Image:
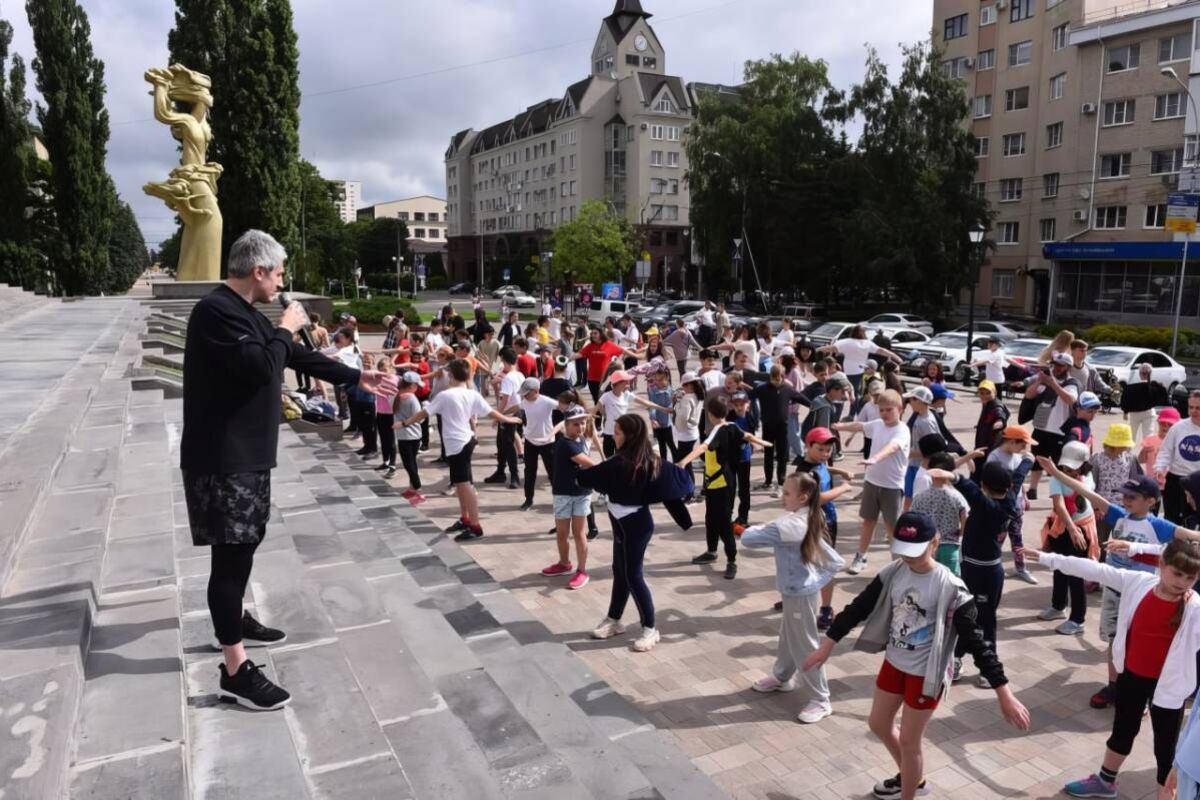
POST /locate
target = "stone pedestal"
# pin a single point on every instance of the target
(182, 290)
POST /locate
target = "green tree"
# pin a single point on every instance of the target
(594, 247)
(248, 48)
(19, 258)
(127, 253)
(75, 124)
(329, 245)
(377, 245)
(168, 250)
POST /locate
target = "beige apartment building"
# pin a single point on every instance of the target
(1080, 137)
(617, 135)
(425, 216)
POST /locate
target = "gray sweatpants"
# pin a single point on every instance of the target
(798, 638)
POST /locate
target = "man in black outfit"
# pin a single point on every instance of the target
(233, 370)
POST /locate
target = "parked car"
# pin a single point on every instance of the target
(948, 349)
(508, 287)
(829, 332)
(1005, 331)
(905, 338)
(672, 312)
(1123, 363)
(518, 299)
(601, 310)
(803, 315)
(463, 288)
(892, 320)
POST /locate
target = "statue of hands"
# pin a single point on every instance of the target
(159, 76)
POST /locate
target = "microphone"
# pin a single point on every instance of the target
(285, 300)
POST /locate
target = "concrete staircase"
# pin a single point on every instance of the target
(15, 302)
(413, 673)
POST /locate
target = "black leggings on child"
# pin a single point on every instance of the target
(631, 535)
(408, 457)
(718, 520)
(1132, 694)
(1064, 584)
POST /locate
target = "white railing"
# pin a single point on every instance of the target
(1130, 7)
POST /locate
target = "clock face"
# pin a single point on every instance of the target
(640, 42)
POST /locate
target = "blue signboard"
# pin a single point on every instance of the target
(1113, 251)
(612, 291)
(506, 274)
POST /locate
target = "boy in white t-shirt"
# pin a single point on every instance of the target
(883, 485)
(458, 406)
(994, 362)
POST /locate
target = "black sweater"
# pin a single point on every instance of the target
(1143, 396)
(987, 524)
(232, 373)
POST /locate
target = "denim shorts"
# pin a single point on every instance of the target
(567, 506)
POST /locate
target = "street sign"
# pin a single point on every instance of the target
(645, 255)
(1182, 211)
(643, 270)
(506, 274)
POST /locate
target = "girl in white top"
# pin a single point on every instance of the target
(744, 342)
(685, 416)
(613, 404)
(855, 352)
(785, 338)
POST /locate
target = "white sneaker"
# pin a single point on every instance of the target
(776, 493)
(1026, 576)
(607, 629)
(770, 683)
(1069, 628)
(858, 564)
(646, 641)
(814, 712)
(1051, 613)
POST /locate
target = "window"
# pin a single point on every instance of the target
(1110, 217)
(1021, 9)
(648, 62)
(418, 216)
(987, 15)
(1004, 281)
(673, 159)
(1189, 148)
(979, 190)
(562, 189)
(402, 215)
(656, 158)
(1119, 112)
(673, 186)
(630, 133)
(1020, 53)
(1010, 190)
(955, 27)
(1174, 48)
(1156, 216)
(1058, 37)
(419, 233)
(553, 217)
(573, 189)
(986, 59)
(982, 106)
(672, 133)
(955, 68)
(1058, 86)
(657, 132)
(433, 216)
(633, 59)
(1008, 233)
(1046, 229)
(1115, 165)
(1168, 106)
(664, 105)
(981, 147)
(1016, 99)
(1054, 135)
(1014, 144)
(1166, 162)
(1123, 58)
(571, 161)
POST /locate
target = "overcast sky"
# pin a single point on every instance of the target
(386, 82)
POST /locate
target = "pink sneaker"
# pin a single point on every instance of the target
(416, 498)
(407, 493)
(557, 569)
(579, 580)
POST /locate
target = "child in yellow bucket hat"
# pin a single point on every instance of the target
(1111, 467)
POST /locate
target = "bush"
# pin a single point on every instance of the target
(374, 310)
(436, 282)
(1129, 335)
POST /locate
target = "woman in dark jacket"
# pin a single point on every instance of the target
(632, 480)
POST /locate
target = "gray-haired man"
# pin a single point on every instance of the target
(232, 372)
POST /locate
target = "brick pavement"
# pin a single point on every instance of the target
(719, 636)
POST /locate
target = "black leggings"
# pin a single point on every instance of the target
(718, 520)
(227, 579)
(1064, 584)
(1174, 503)
(387, 437)
(532, 451)
(987, 585)
(408, 457)
(594, 388)
(743, 492)
(366, 425)
(666, 446)
(1132, 694)
(609, 444)
(506, 449)
(631, 535)
(776, 456)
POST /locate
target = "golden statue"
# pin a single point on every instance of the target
(191, 191)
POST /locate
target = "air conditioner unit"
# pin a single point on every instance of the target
(645, 126)
(1001, 5)
(1079, 216)
(970, 62)
(1088, 108)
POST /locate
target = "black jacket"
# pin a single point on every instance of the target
(232, 373)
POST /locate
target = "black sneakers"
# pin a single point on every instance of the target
(255, 634)
(889, 789)
(249, 688)
(705, 558)
(469, 535)
(528, 504)
(730, 570)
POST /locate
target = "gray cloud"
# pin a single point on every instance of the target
(392, 135)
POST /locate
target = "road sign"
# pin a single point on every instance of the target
(645, 255)
(643, 270)
(1181, 212)
(506, 274)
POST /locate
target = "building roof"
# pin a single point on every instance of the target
(652, 82)
(533, 120)
(401, 200)
(576, 90)
(625, 13)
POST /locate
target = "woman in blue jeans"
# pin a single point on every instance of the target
(632, 479)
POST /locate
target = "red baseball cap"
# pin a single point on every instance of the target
(819, 436)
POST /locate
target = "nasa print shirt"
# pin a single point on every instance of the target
(1180, 451)
(914, 608)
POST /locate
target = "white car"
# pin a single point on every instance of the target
(518, 299)
(1004, 331)
(905, 338)
(1123, 363)
(891, 320)
(508, 287)
(949, 350)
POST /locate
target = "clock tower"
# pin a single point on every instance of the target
(627, 44)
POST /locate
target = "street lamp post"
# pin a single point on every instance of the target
(399, 270)
(976, 236)
(1187, 237)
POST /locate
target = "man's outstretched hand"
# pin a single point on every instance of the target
(379, 383)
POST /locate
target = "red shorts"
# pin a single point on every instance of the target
(893, 681)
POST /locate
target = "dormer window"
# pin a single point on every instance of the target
(664, 105)
(649, 62)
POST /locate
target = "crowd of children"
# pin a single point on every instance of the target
(946, 511)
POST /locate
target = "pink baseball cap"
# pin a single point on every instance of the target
(1169, 414)
(620, 375)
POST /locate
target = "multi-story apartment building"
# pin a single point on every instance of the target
(1079, 139)
(425, 216)
(617, 136)
(347, 197)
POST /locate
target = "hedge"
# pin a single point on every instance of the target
(374, 310)
(1130, 335)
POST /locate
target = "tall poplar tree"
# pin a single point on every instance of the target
(18, 257)
(248, 48)
(75, 126)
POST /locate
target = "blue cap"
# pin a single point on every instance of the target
(940, 392)
(1144, 485)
